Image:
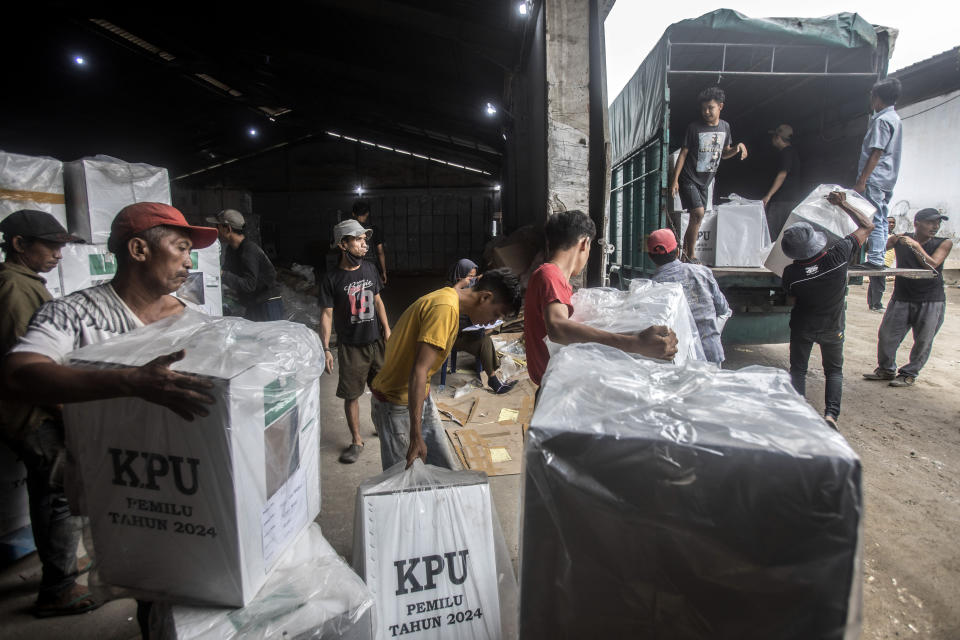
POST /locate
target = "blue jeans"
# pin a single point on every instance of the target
(831, 352)
(924, 318)
(877, 243)
(393, 426)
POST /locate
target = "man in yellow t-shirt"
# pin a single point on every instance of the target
(402, 407)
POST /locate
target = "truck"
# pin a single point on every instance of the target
(812, 73)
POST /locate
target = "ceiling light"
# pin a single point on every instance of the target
(491, 110)
(522, 8)
(253, 133)
(80, 61)
(359, 191)
(496, 187)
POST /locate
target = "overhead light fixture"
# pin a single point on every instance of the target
(79, 61)
(491, 110)
(359, 190)
(253, 133)
(496, 187)
(523, 8)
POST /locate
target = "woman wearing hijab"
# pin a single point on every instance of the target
(463, 275)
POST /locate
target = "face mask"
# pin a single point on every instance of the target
(352, 260)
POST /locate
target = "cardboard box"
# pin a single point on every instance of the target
(97, 188)
(424, 544)
(27, 182)
(822, 215)
(685, 502)
(313, 594)
(200, 511)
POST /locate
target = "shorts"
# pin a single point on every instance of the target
(692, 195)
(359, 365)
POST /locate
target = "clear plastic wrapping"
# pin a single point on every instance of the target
(743, 238)
(830, 219)
(98, 187)
(646, 304)
(201, 511)
(428, 543)
(312, 594)
(27, 182)
(685, 502)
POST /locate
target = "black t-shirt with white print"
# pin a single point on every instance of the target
(350, 294)
(820, 286)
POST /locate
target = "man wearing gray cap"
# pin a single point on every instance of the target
(247, 270)
(782, 195)
(817, 283)
(350, 299)
(916, 304)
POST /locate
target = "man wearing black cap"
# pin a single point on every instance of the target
(817, 282)
(782, 196)
(247, 270)
(916, 304)
(152, 242)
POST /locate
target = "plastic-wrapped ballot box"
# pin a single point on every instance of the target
(203, 287)
(86, 265)
(27, 182)
(685, 502)
(311, 594)
(832, 220)
(97, 188)
(743, 238)
(201, 511)
(646, 304)
(706, 245)
(429, 546)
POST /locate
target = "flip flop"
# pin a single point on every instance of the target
(80, 604)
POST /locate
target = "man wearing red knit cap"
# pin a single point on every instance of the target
(152, 243)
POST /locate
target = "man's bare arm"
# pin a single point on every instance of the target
(382, 260)
(426, 357)
(864, 224)
(381, 310)
(34, 378)
(326, 325)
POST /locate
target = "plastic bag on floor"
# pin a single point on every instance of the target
(830, 219)
(428, 543)
(312, 594)
(685, 502)
(646, 304)
(200, 511)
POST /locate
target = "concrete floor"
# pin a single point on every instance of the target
(886, 562)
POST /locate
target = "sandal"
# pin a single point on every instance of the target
(73, 601)
(830, 420)
(351, 453)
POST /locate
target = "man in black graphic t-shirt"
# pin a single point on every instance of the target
(350, 299)
(817, 280)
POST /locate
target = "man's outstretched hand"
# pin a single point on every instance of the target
(657, 342)
(182, 393)
(417, 449)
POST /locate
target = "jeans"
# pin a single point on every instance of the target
(878, 284)
(55, 531)
(877, 243)
(393, 427)
(266, 311)
(831, 352)
(925, 318)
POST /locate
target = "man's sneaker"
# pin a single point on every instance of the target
(351, 453)
(903, 381)
(870, 266)
(880, 374)
(878, 308)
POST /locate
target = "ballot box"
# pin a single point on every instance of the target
(688, 502)
(311, 594)
(706, 244)
(743, 238)
(28, 182)
(98, 188)
(428, 544)
(86, 265)
(200, 511)
(644, 305)
(203, 287)
(823, 216)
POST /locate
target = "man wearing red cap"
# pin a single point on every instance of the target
(152, 243)
(707, 302)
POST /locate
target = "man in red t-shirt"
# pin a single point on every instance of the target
(547, 307)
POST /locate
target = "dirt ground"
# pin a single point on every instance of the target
(908, 439)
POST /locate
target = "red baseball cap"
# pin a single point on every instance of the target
(661, 241)
(141, 216)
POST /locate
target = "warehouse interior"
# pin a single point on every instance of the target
(432, 111)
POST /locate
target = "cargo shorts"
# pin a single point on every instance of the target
(692, 195)
(359, 364)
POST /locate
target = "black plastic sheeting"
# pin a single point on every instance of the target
(685, 503)
(637, 113)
